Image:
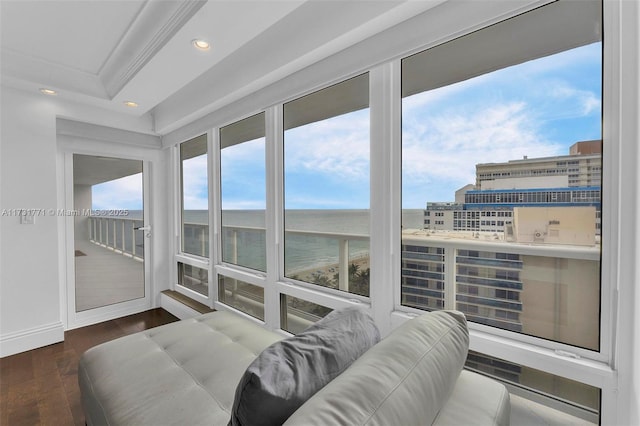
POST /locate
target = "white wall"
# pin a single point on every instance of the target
(30, 256)
(29, 289)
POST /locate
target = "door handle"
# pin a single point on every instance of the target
(143, 228)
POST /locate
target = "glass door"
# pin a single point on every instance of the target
(109, 231)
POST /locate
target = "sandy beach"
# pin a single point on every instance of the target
(329, 270)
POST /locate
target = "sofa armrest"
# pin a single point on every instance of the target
(403, 380)
(477, 400)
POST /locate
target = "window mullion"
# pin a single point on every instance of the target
(385, 222)
(176, 217)
(274, 213)
(214, 208)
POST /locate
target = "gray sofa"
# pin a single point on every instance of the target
(187, 373)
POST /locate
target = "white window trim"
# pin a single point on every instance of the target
(176, 244)
(597, 369)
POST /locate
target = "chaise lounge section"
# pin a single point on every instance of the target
(189, 372)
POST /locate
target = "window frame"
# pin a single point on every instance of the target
(590, 367)
(219, 267)
(178, 255)
(278, 111)
(583, 365)
(217, 201)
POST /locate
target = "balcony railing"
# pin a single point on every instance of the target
(546, 290)
(245, 246)
(119, 234)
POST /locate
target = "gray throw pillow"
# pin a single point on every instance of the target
(290, 371)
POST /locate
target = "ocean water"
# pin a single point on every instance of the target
(302, 251)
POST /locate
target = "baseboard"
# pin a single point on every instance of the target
(33, 338)
(178, 309)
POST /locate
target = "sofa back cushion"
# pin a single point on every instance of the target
(288, 372)
(403, 380)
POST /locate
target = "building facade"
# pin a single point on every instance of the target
(563, 181)
(581, 168)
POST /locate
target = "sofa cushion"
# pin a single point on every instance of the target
(288, 372)
(180, 373)
(403, 380)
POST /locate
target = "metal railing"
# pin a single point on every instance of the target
(195, 239)
(494, 282)
(235, 247)
(550, 291)
(119, 234)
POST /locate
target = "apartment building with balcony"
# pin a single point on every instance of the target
(303, 109)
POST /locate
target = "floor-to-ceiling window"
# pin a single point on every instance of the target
(501, 181)
(326, 187)
(243, 209)
(193, 274)
(489, 123)
(326, 196)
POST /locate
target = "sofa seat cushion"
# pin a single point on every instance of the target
(180, 373)
(403, 380)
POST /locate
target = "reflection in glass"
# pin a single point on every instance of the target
(580, 395)
(193, 278)
(243, 296)
(298, 314)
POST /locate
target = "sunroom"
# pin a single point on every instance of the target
(280, 160)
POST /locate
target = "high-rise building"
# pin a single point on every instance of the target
(561, 181)
(582, 167)
(503, 239)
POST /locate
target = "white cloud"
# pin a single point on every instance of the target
(444, 147)
(337, 147)
(123, 193)
(575, 102)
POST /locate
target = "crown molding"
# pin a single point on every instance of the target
(154, 26)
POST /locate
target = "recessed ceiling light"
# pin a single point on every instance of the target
(201, 44)
(131, 104)
(46, 91)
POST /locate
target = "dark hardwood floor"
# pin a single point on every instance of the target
(40, 387)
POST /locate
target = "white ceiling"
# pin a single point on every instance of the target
(92, 170)
(105, 52)
(92, 31)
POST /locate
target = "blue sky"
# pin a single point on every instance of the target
(536, 109)
(244, 176)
